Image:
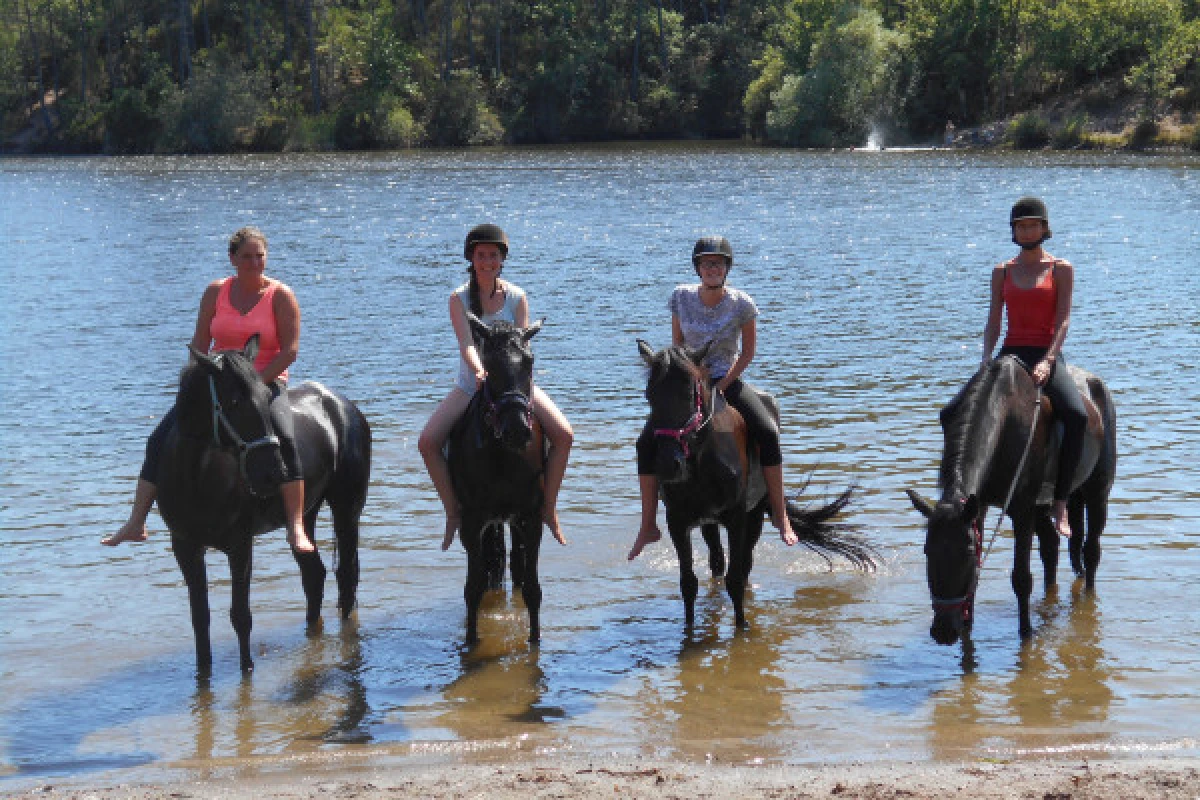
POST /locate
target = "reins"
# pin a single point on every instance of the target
(695, 423)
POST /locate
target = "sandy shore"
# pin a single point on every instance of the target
(1160, 779)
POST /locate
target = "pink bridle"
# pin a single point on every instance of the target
(695, 423)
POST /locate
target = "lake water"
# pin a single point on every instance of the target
(870, 271)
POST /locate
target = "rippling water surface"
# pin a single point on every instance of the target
(870, 270)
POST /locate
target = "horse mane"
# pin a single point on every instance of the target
(970, 415)
(674, 356)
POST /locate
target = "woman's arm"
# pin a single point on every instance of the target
(991, 331)
(1064, 279)
(749, 341)
(202, 337)
(466, 339)
(521, 315)
(287, 329)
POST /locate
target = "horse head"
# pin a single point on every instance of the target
(223, 399)
(508, 389)
(680, 404)
(953, 549)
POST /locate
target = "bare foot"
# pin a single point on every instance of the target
(645, 536)
(452, 524)
(551, 520)
(129, 532)
(1061, 524)
(299, 541)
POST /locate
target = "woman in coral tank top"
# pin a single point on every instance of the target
(1034, 291)
(231, 311)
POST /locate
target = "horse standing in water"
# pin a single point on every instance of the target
(496, 458)
(987, 430)
(708, 473)
(218, 483)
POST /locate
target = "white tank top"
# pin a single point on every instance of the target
(507, 312)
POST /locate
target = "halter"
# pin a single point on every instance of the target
(513, 397)
(220, 421)
(695, 423)
(967, 602)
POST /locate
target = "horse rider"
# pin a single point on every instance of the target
(489, 298)
(713, 311)
(232, 309)
(1033, 290)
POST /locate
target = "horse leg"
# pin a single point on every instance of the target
(346, 508)
(493, 551)
(1075, 508)
(716, 553)
(1022, 578)
(241, 563)
(516, 562)
(1097, 518)
(688, 584)
(1048, 550)
(743, 535)
(527, 530)
(312, 570)
(190, 558)
(471, 534)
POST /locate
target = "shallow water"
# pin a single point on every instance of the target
(870, 270)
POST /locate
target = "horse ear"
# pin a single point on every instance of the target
(203, 359)
(970, 510)
(532, 330)
(920, 503)
(250, 351)
(478, 329)
(646, 351)
(697, 356)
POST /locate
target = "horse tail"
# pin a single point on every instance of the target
(817, 531)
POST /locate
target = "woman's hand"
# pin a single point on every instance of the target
(480, 377)
(1041, 372)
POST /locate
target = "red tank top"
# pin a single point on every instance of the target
(1030, 311)
(230, 329)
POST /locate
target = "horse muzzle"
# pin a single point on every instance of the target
(951, 621)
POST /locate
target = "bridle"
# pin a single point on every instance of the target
(221, 422)
(494, 406)
(694, 423)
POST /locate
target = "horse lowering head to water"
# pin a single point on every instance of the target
(708, 473)
(1000, 440)
(219, 475)
(496, 459)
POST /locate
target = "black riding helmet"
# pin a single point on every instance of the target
(715, 246)
(486, 233)
(1029, 208)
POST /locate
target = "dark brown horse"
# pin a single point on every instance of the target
(219, 476)
(495, 455)
(987, 430)
(708, 473)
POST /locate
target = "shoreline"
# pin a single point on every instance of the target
(1123, 779)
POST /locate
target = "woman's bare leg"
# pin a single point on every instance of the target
(293, 511)
(648, 533)
(134, 529)
(561, 437)
(774, 478)
(431, 444)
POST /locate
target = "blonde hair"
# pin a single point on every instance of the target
(242, 234)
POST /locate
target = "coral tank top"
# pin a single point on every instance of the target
(230, 329)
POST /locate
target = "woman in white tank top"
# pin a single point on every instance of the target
(486, 248)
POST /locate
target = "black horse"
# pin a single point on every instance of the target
(987, 429)
(220, 473)
(708, 474)
(496, 458)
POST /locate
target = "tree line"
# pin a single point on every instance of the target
(133, 76)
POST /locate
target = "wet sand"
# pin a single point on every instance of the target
(1161, 779)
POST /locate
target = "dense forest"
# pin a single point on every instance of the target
(136, 76)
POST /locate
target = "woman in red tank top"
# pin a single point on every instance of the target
(1034, 291)
(232, 310)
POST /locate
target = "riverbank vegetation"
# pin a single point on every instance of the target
(136, 76)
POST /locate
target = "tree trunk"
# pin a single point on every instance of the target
(83, 54)
(313, 69)
(185, 52)
(637, 47)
